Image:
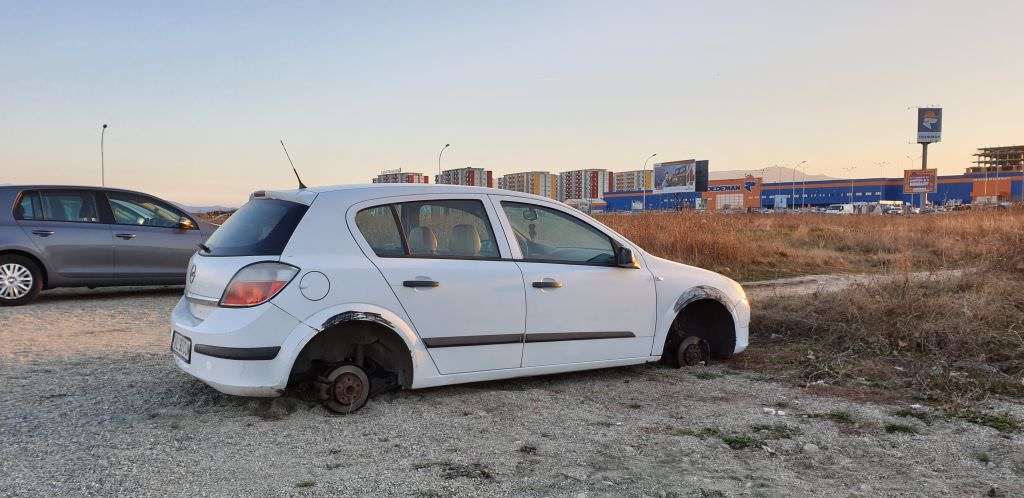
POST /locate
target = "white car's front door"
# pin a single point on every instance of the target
(580, 306)
(453, 277)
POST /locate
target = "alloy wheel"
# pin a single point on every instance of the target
(15, 281)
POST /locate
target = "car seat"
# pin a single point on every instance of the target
(464, 241)
(87, 211)
(422, 241)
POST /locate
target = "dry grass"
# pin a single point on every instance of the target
(952, 340)
(751, 247)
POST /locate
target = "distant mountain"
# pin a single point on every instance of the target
(206, 209)
(771, 174)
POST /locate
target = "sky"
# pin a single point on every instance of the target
(197, 94)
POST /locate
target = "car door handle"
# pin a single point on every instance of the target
(43, 233)
(421, 283)
(548, 284)
(125, 236)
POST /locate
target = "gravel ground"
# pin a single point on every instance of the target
(93, 405)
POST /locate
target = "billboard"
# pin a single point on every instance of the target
(675, 176)
(920, 181)
(929, 125)
(701, 184)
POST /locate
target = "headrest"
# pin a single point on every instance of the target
(422, 241)
(464, 241)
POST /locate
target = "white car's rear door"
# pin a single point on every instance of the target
(580, 306)
(453, 275)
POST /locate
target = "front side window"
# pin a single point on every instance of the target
(131, 209)
(28, 207)
(440, 228)
(69, 206)
(550, 235)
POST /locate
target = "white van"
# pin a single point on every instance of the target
(839, 209)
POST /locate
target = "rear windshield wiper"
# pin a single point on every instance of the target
(205, 248)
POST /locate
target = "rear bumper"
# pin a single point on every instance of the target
(239, 351)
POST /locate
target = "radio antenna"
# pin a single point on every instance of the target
(286, 154)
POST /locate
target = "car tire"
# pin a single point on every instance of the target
(21, 280)
(343, 389)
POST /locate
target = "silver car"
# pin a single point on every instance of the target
(63, 236)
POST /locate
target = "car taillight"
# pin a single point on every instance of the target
(256, 284)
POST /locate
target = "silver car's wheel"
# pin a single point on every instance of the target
(20, 280)
(16, 281)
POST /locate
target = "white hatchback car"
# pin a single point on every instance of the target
(356, 290)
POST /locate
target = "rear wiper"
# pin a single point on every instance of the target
(205, 248)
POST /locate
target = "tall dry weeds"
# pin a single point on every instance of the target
(755, 247)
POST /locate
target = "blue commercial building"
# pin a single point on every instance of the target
(750, 193)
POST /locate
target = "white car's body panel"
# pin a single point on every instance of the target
(484, 321)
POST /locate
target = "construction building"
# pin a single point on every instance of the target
(583, 184)
(531, 182)
(470, 177)
(398, 176)
(625, 181)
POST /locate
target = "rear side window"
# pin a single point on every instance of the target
(377, 224)
(261, 227)
(61, 205)
(439, 228)
(28, 207)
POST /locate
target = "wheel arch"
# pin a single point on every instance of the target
(361, 323)
(704, 306)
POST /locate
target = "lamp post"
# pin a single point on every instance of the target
(760, 200)
(792, 185)
(643, 187)
(849, 171)
(803, 185)
(439, 154)
(103, 165)
(881, 178)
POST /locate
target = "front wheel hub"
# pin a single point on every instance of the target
(693, 351)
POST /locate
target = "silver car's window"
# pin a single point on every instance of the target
(553, 236)
(28, 207)
(70, 206)
(130, 209)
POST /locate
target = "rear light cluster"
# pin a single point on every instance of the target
(257, 283)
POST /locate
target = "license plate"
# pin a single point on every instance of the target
(182, 346)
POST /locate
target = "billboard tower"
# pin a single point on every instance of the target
(929, 130)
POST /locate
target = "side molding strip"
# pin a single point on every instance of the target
(489, 340)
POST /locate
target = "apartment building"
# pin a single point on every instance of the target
(531, 182)
(472, 177)
(583, 184)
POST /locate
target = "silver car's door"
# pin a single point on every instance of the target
(151, 237)
(67, 228)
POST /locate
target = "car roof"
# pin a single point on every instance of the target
(376, 190)
(31, 186)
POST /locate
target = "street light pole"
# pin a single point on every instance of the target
(849, 171)
(760, 200)
(803, 186)
(881, 178)
(643, 187)
(792, 185)
(103, 165)
(439, 154)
